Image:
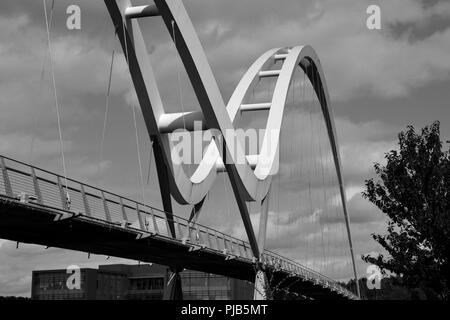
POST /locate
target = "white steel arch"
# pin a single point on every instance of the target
(250, 180)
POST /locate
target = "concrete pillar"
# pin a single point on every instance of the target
(173, 289)
(262, 291)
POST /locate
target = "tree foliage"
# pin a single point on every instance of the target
(413, 190)
(391, 288)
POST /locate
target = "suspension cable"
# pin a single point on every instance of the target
(180, 92)
(56, 100)
(46, 54)
(106, 112)
(139, 155)
(226, 190)
(141, 184)
(35, 124)
(150, 160)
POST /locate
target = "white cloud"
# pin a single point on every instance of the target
(357, 63)
(25, 146)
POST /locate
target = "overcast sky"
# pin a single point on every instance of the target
(380, 81)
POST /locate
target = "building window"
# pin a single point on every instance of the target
(147, 284)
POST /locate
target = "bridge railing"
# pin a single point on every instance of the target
(278, 262)
(30, 184)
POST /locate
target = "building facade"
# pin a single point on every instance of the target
(133, 282)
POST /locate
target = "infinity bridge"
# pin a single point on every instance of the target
(33, 201)
(38, 206)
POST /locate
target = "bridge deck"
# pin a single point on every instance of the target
(34, 209)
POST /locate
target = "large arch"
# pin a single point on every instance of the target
(251, 179)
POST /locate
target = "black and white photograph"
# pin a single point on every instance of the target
(261, 153)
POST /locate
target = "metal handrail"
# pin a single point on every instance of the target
(327, 280)
(223, 235)
(181, 223)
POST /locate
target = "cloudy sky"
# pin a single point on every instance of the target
(380, 81)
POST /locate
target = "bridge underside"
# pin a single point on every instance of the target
(34, 224)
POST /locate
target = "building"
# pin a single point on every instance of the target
(134, 282)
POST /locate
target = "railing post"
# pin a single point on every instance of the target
(37, 190)
(64, 203)
(122, 208)
(224, 243)
(245, 249)
(141, 223)
(198, 235)
(232, 248)
(217, 240)
(177, 221)
(155, 225)
(240, 250)
(246, 252)
(187, 236)
(189, 230)
(169, 233)
(208, 238)
(105, 206)
(6, 181)
(87, 210)
(250, 252)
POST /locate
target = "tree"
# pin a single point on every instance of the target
(413, 190)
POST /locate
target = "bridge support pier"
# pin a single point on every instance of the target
(262, 291)
(173, 289)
